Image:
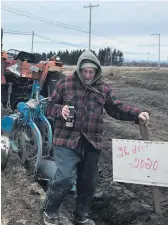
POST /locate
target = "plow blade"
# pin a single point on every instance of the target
(47, 168)
(5, 150)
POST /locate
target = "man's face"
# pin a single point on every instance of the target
(88, 75)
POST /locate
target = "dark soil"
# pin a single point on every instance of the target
(114, 203)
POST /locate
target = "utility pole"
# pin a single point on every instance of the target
(32, 42)
(159, 45)
(90, 21)
(118, 59)
(111, 59)
(147, 58)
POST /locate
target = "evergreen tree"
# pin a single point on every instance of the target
(71, 57)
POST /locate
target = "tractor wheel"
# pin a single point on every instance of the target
(27, 144)
(5, 150)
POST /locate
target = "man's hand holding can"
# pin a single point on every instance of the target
(65, 111)
(68, 114)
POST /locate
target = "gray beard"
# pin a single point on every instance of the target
(88, 82)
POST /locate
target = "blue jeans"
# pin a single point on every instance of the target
(71, 167)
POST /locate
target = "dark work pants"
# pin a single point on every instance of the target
(79, 165)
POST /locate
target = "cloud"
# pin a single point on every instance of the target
(128, 24)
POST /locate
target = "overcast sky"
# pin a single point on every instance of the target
(125, 25)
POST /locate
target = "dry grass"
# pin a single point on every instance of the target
(122, 70)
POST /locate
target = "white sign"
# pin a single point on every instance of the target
(140, 162)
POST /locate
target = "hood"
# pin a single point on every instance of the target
(88, 56)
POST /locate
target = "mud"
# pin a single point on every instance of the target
(113, 203)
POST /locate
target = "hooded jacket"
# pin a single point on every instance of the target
(89, 102)
(85, 57)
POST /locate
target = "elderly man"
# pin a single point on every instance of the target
(77, 147)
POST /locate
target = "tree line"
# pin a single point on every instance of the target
(106, 56)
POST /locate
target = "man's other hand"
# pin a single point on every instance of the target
(145, 117)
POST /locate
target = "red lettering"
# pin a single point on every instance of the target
(155, 165)
(134, 150)
(125, 151)
(141, 163)
(148, 165)
(133, 165)
(138, 149)
(122, 152)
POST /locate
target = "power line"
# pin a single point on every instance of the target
(44, 37)
(32, 16)
(22, 13)
(138, 53)
(158, 45)
(65, 43)
(16, 32)
(58, 23)
(61, 42)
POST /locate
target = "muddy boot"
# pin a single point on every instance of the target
(82, 216)
(54, 197)
(84, 221)
(50, 218)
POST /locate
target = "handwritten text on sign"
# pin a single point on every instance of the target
(142, 162)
